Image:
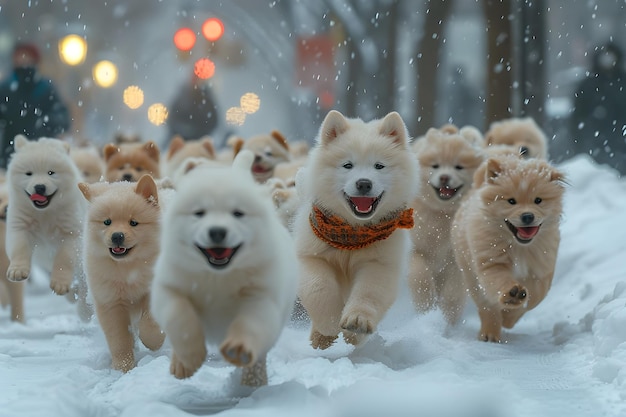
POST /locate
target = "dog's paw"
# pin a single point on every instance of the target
(514, 297)
(60, 287)
(319, 341)
(18, 272)
(489, 336)
(357, 323)
(182, 371)
(237, 353)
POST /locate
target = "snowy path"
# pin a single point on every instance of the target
(565, 358)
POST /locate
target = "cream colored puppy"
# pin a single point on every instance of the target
(226, 274)
(355, 192)
(506, 238)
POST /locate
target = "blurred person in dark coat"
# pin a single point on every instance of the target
(193, 113)
(599, 118)
(29, 103)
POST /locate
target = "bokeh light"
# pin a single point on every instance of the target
(72, 49)
(250, 103)
(184, 39)
(105, 73)
(212, 29)
(157, 114)
(204, 68)
(133, 97)
(235, 116)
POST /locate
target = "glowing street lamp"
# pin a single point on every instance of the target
(235, 116)
(73, 49)
(157, 114)
(133, 97)
(184, 39)
(105, 73)
(250, 103)
(213, 29)
(204, 68)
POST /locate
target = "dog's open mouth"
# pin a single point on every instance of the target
(260, 169)
(40, 200)
(523, 234)
(219, 257)
(363, 206)
(445, 192)
(119, 251)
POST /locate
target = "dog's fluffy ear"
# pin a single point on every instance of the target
(152, 150)
(244, 160)
(333, 126)
(237, 145)
(109, 150)
(147, 188)
(494, 169)
(393, 126)
(84, 188)
(176, 144)
(19, 141)
(207, 144)
(280, 139)
(473, 136)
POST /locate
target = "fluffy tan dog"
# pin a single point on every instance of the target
(355, 192)
(120, 246)
(506, 237)
(269, 150)
(522, 134)
(181, 149)
(447, 161)
(89, 163)
(45, 217)
(226, 271)
(129, 161)
(11, 293)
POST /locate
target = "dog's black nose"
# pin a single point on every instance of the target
(527, 218)
(257, 158)
(444, 179)
(40, 189)
(117, 238)
(363, 186)
(127, 177)
(217, 234)
(523, 151)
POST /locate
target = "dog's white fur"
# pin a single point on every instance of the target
(49, 237)
(242, 306)
(349, 291)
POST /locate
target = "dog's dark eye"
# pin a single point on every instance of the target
(139, 169)
(378, 166)
(121, 168)
(435, 166)
(51, 172)
(538, 200)
(348, 165)
(107, 222)
(28, 174)
(268, 153)
(133, 223)
(458, 167)
(512, 201)
(238, 213)
(199, 213)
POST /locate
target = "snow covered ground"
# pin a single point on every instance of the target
(565, 358)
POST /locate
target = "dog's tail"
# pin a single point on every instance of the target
(244, 160)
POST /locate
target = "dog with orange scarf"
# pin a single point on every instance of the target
(350, 230)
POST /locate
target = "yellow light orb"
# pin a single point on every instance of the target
(105, 73)
(157, 114)
(235, 116)
(133, 97)
(250, 103)
(72, 49)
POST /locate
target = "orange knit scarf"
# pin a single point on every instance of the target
(338, 233)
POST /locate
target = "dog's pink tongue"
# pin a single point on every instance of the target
(38, 198)
(363, 204)
(220, 253)
(258, 169)
(527, 233)
(446, 192)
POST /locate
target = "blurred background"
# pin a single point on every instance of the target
(281, 64)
